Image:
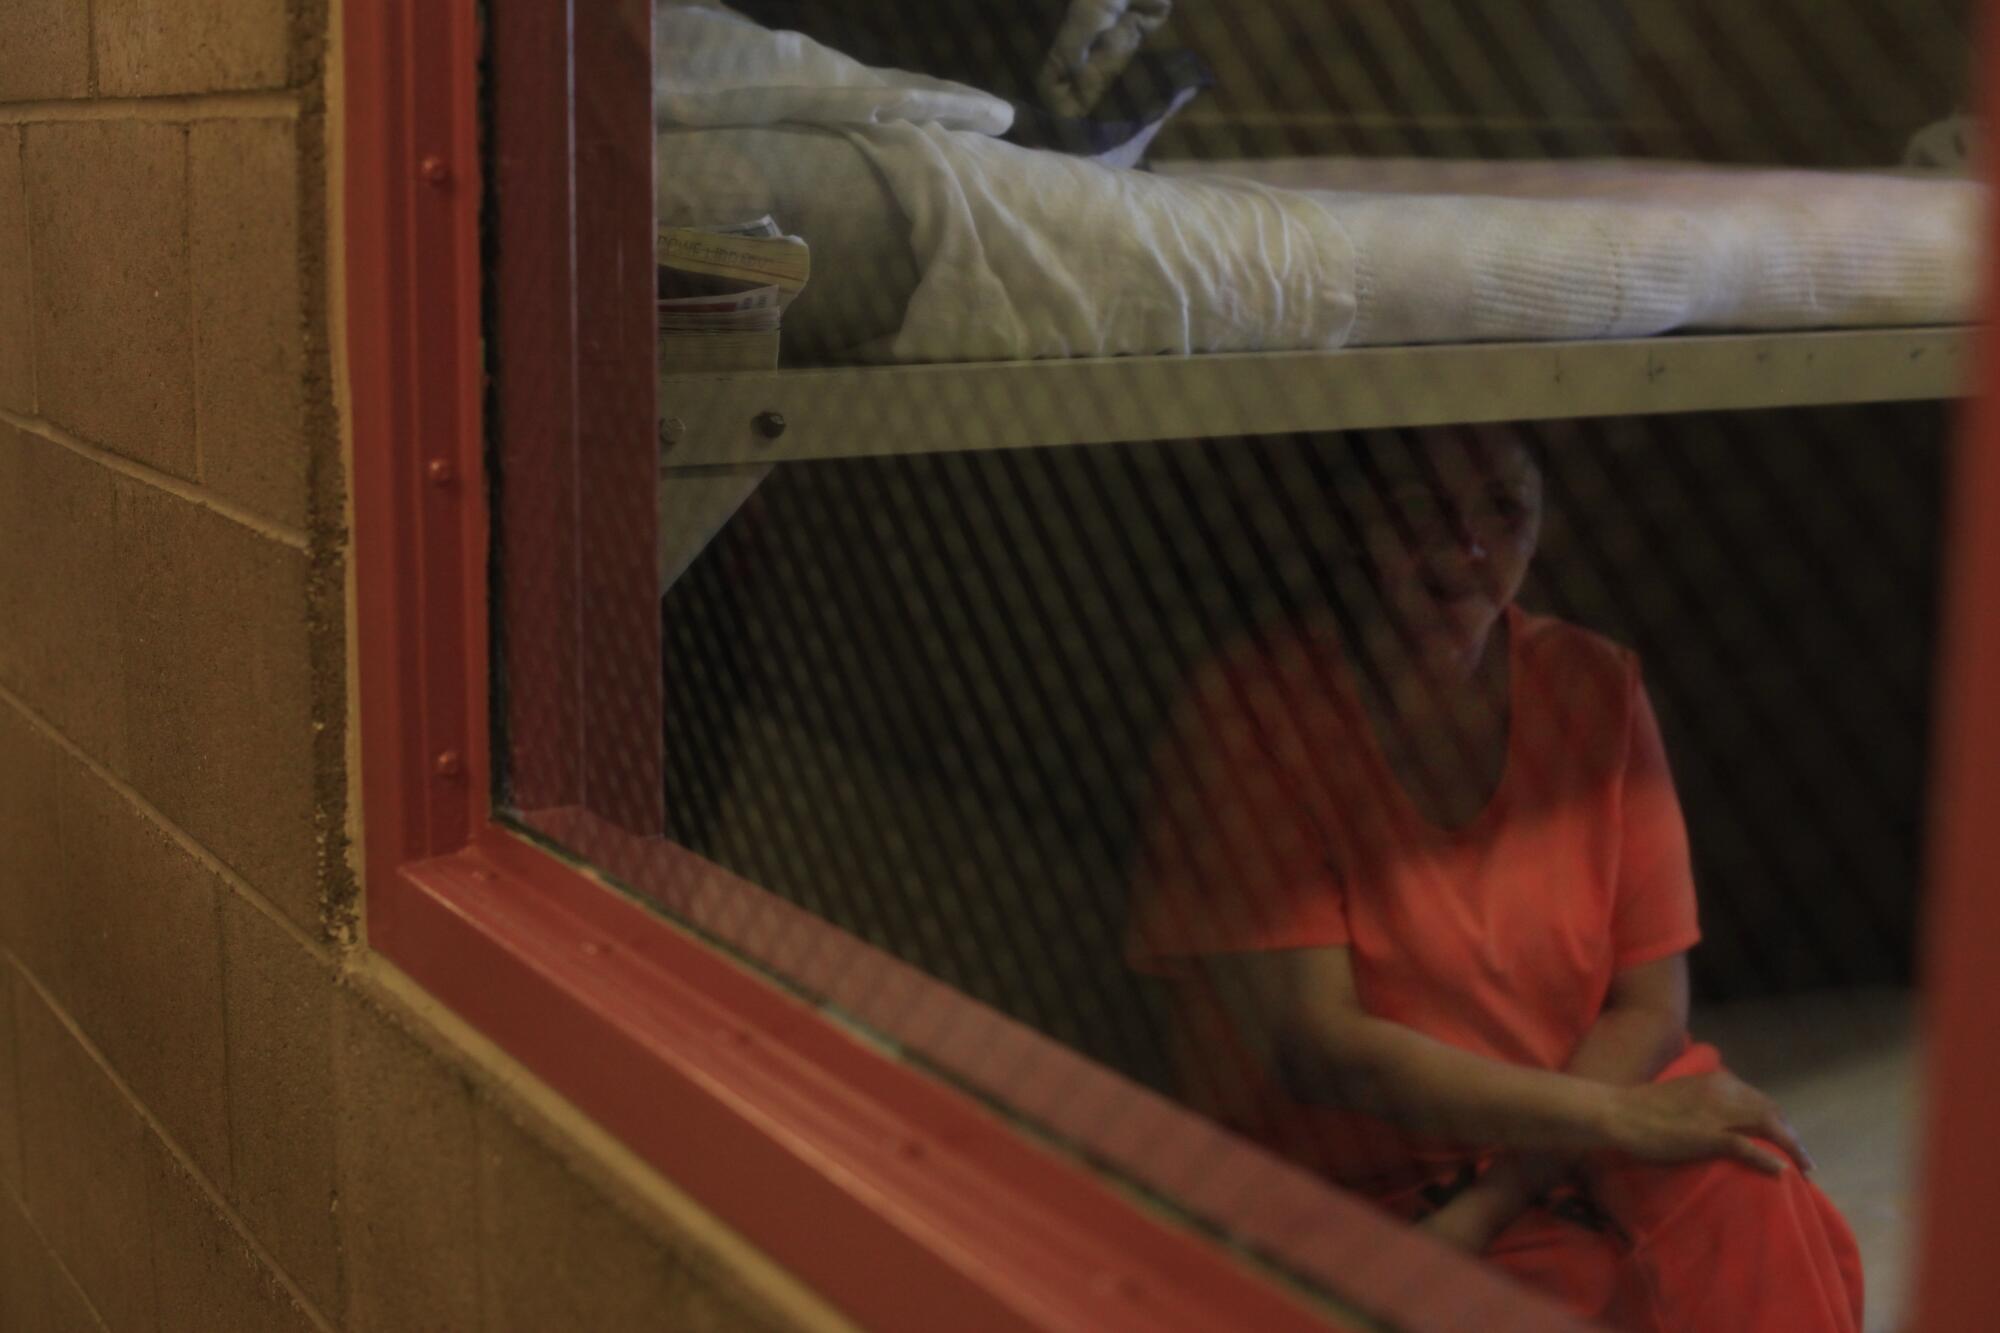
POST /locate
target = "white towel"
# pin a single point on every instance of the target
(712, 68)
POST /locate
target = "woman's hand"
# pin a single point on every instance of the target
(1702, 1116)
(1469, 1222)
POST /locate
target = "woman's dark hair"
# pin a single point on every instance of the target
(1355, 464)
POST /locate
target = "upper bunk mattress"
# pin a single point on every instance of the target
(933, 240)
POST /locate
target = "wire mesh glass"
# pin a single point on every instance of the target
(929, 645)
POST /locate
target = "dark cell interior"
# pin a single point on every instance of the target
(918, 695)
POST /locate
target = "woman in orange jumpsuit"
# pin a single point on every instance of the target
(1422, 881)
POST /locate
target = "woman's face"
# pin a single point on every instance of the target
(1450, 540)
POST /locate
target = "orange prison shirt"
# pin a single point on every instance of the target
(1276, 823)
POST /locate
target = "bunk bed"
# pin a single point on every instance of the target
(981, 295)
(974, 296)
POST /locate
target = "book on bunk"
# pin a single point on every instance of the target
(723, 293)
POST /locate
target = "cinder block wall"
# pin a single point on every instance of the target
(214, 1114)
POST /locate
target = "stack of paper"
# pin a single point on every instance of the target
(723, 293)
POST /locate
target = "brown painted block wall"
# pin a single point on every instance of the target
(214, 1113)
(1806, 82)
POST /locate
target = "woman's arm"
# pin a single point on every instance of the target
(1303, 1008)
(1642, 1027)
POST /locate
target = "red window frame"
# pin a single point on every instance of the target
(900, 1200)
(1957, 1285)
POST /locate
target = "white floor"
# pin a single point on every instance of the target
(1844, 1067)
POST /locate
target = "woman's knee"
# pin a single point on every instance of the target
(1721, 1192)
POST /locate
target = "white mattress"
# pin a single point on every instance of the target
(933, 240)
(936, 245)
(1464, 251)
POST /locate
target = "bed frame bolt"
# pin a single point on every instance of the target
(770, 425)
(434, 169)
(447, 764)
(441, 472)
(672, 431)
